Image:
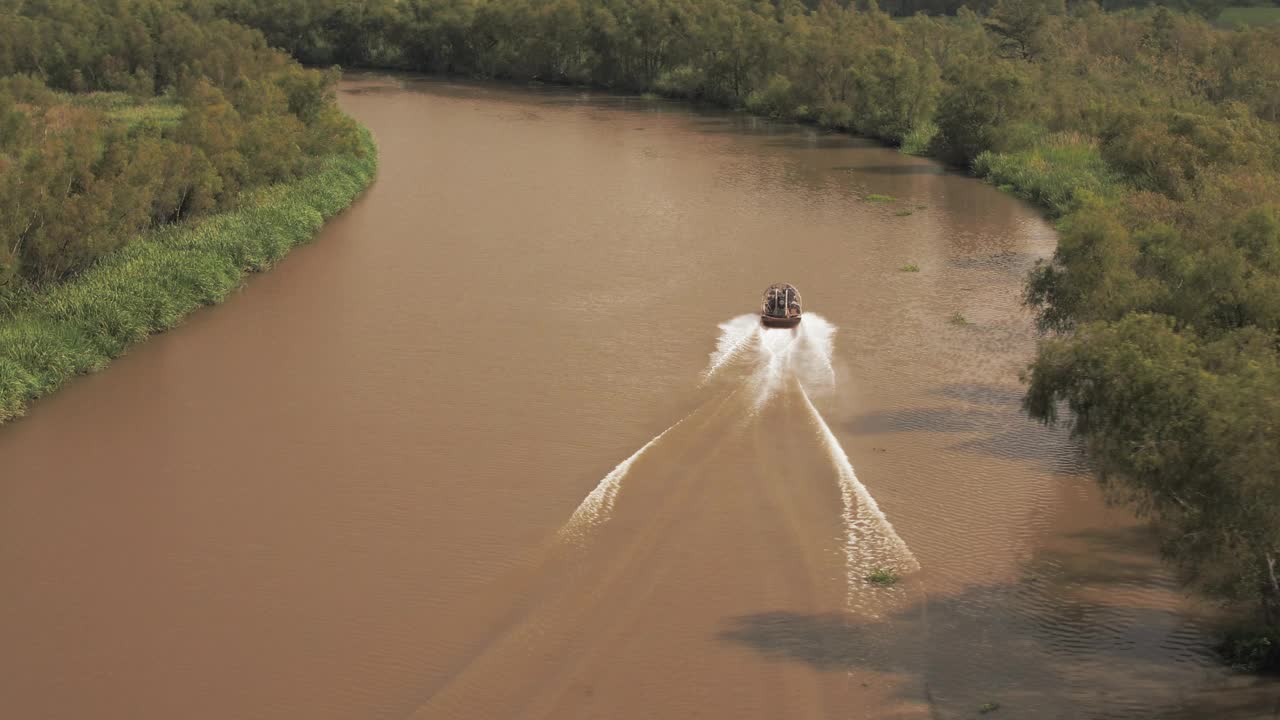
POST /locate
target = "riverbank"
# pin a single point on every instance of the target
(152, 283)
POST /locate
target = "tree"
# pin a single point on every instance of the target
(894, 92)
(981, 100)
(1185, 433)
(1020, 26)
(212, 125)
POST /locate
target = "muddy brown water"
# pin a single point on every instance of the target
(412, 472)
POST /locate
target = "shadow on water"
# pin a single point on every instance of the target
(981, 394)
(1050, 452)
(992, 416)
(934, 419)
(922, 168)
(1075, 637)
(1006, 261)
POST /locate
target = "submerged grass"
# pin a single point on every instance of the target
(883, 576)
(152, 283)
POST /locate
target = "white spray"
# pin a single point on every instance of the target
(762, 359)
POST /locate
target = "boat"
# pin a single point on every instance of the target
(781, 306)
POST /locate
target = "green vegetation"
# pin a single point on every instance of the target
(919, 139)
(883, 576)
(1251, 649)
(877, 198)
(1247, 16)
(958, 319)
(150, 153)
(904, 213)
(1056, 173)
(119, 117)
(122, 109)
(910, 267)
(989, 707)
(79, 325)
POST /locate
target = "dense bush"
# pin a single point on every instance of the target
(116, 117)
(122, 124)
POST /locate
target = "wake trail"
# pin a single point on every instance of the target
(760, 362)
(582, 590)
(870, 539)
(670, 515)
(597, 506)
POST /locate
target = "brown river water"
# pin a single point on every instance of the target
(505, 442)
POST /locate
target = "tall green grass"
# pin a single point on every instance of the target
(1056, 172)
(917, 141)
(152, 283)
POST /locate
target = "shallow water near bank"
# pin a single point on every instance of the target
(501, 444)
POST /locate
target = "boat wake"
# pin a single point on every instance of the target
(762, 360)
(759, 365)
(748, 504)
(596, 506)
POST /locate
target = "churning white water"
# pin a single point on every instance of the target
(762, 360)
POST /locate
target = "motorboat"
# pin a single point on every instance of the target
(781, 306)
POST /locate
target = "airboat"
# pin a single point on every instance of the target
(781, 306)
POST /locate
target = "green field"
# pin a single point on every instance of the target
(1248, 16)
(122, 108)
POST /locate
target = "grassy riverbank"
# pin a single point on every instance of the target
(153, 282)
(150, 155)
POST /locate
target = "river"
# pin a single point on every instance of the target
(505, 442)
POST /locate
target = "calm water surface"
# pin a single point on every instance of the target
(384, 480)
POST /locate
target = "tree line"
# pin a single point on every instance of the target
(1148, 134)
(121, 115)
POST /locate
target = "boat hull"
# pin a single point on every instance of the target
(777, 322)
